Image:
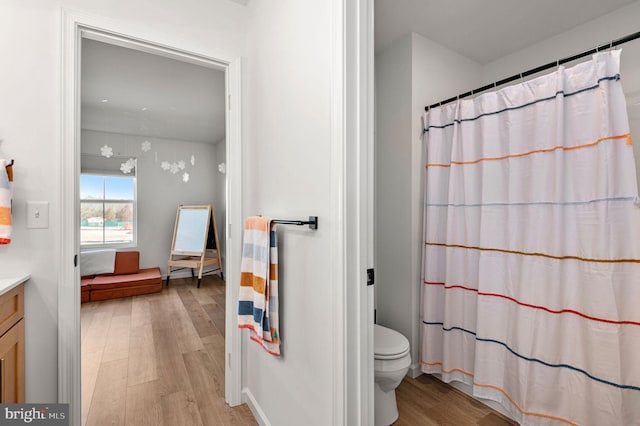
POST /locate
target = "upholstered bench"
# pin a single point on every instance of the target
(127, 279)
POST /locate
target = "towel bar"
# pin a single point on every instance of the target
(312, 222)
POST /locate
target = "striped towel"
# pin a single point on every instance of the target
(5, 202)
(258, 299)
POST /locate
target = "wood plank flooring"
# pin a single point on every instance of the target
(430, 402)
(158, 359)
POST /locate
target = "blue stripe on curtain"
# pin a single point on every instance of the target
(548, 98)
(530, 359)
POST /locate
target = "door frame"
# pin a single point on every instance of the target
(353, 174)
(76, 26)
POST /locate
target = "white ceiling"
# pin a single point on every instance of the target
(153, 96)
(149, 95)
(484, 30)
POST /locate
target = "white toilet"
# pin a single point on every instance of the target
(392, 361)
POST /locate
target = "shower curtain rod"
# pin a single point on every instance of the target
(559, 62)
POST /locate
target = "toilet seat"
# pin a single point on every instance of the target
(391, 357)
(388, 344)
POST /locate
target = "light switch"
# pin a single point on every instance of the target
(37, 214)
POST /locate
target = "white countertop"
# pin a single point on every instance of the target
(12, 281)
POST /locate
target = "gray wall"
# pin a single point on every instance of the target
(160, 192)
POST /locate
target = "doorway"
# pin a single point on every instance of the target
(77, 30)
(152, 135)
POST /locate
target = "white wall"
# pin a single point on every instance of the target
(393, 137)
(612, 26)
(286, 133)
(287, 167)
(409, 75)
(160, 192)
(30, 36)
(220, 195)
(584, 37)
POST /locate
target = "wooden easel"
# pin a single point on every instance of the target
(195, 241)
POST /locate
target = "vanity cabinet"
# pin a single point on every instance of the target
(12, 346)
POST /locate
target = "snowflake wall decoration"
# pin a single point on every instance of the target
(145, 146)
(128, 166)
(106, 151)
(125, 168)
(177, 166)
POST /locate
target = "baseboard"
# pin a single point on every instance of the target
(414, 371)
(255, 408)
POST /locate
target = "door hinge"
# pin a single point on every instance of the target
(370, 277)
(229, 360)
(75, 261)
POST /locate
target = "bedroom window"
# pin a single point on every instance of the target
(107, 210)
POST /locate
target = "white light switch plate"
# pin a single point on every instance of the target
(37, 214)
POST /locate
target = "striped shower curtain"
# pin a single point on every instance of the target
(531, 260)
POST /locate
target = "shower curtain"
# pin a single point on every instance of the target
(531, 259)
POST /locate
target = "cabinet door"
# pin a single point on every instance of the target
(11, 308)
(12, 365)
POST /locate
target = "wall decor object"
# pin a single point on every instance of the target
(106, 151)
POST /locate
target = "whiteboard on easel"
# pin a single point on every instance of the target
(192, 228)
(195, 241)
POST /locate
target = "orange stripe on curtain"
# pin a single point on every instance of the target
(626, 137)
(502, 391)
(523, 253)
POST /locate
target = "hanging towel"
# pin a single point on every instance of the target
(6, 178)
(258, 298)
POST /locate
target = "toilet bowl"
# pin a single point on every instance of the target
(391, 363)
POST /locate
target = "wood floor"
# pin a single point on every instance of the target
(158, 359)
(428, 401)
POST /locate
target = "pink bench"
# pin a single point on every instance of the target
(127, 279)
